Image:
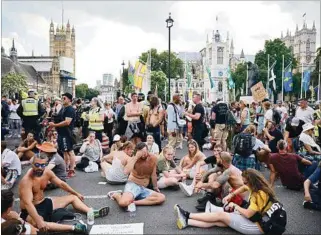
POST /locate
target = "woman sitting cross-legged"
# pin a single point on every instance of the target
(169, 174)
(92, 153)
(245, 221)
(151, 145)
(112, 165)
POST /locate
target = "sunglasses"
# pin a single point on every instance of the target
(38, 165)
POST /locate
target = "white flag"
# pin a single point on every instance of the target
(272, 78)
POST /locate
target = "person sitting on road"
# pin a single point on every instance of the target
(7, 199)
(151, 145)
(218, 182)
(169, 173)
(142, 169)
(287, 166)
(10, 167)
(112, 165)
(241, 220)
(27, 148)
(56, 162)
(245, 162)
(188, 162)
(53, 138)
(273, 135)
(92, 153)
(312, 195)
(310, 148)
(292, 132)
(117, 143)
(37, 209)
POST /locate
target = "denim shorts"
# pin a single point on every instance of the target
(139, 192)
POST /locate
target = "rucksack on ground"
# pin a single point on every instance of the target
(276, 116)
(274, 220)
(243, 144)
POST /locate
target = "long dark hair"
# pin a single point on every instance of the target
(154, 102)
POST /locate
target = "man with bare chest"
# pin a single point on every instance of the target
(142, 168)
(37, 209)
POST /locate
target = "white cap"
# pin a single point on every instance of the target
(116, 138)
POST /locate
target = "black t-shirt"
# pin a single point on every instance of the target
(210, 160)
(294, 131)
(198, 109)
(220, 111)
(273, 143)
(65, 112)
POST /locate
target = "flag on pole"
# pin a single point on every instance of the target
(139, 75)
(208, 70)
(272, 78)
(131, 72)
(306, 80)
(231, 83)
(188, 74)
(288, 81)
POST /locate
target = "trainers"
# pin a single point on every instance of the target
(187, 190)
(102, 212)
(206, 197)
(71, 173)
(111, 194)
(181, 218)
(80, 228)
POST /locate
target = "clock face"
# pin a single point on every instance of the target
(220, 73)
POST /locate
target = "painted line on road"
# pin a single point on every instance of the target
(86, 197)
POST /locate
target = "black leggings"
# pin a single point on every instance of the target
(84, 162)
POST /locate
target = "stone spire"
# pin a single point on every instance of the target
(297, 28)
(242, 55)
(13, 52)
(313, 26)
(281, 34)
(232, 47)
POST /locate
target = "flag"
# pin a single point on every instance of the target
(131, 72)
(188, 74)
(306, 80)
(139, 75)
(208, 70)
(272, 78)
(231, 84)
(288, 81)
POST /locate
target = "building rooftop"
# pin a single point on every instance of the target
(189, 56)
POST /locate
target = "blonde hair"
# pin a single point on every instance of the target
(251, 129)
(167, 148)
(226, 157)
(192, 155)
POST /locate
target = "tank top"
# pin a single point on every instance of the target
(116, 172)
(247, 118)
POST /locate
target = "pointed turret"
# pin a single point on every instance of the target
(242, 55)
(313, 26)
(232, 48)
(57, 29)
(13, 52)
(281, 34)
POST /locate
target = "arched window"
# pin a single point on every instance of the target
(220, 86)
(308, 46)
(220, 56)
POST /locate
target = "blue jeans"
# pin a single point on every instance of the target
(308, 170)
(139, 192)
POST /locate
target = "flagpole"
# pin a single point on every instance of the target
(319, 84)
(301, 82)
(268, 74)
(282, 75)
(247, 79)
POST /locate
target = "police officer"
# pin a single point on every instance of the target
(30, 110)
(96, 118)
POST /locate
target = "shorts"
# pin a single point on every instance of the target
(220, 132)
(44, 209)
(139, 192)
(65, 143)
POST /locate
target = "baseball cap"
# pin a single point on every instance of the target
(295, 121)
(116, 138)
(265, 100)
(68, 95)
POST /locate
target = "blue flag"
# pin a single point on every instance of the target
(231, 84)
(288, 81)
(306, 80)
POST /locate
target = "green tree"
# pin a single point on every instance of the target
(315, 73)
(81, 90)
(239, 77)
(91, 93)
(158, 78)
(275, 48)
(12, 83)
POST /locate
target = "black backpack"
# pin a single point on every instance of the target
(243, 144)
(276, 117)
(274, 220)
(230, 118)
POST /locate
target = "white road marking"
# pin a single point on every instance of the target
(86, 197)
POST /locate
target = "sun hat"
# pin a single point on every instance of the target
(307, 126)
(47, 147)
(116, 138)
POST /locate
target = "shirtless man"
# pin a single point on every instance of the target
(37, 210)
(141, 167)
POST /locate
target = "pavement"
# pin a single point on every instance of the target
(161, 219)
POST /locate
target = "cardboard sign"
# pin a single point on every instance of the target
(258, 92)
(137, 228)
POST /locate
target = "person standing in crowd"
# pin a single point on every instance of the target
(245, 115)
(30, 110)
(268, 112)
(109, 119)
(96, 118)
(304, 112)
(219, 117)
(253, 112)
(5, 111)
(14, 119)
(64, 127)
(154, 119)
(198, 124)
(284, 114)
(78, 110)
(259, 120)
(291, 109)
(172, 122)
(119, 105)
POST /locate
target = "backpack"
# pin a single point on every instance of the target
(243, 144)
(230, 119)
(274, 220)
(276, 116)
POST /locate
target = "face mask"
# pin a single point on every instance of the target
(37, 173)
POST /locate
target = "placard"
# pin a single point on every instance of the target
(137, 228)
(258, 92)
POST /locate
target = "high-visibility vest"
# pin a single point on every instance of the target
(30, 107)
(94, 120)
(316, 127)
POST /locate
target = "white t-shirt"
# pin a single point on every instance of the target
(268, 116)
(12, 160)
(305, 115)
(282, 110)
(258, 144)
(154, 149)
(112, 113)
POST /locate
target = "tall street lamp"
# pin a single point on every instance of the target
(122, 82)
(169, 23)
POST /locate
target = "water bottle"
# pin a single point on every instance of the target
(132, 209)
(90, 217)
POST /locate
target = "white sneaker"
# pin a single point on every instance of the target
(92, 167)
(187, 190)
(111, 194)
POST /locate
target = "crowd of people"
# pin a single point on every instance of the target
(134, 143)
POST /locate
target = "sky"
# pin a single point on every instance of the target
(108, 32)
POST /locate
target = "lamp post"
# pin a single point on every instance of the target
(122, 82)
(169, 23)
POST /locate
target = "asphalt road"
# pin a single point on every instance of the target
(161, 219)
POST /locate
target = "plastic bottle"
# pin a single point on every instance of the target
(132, 209)
(90, 217)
